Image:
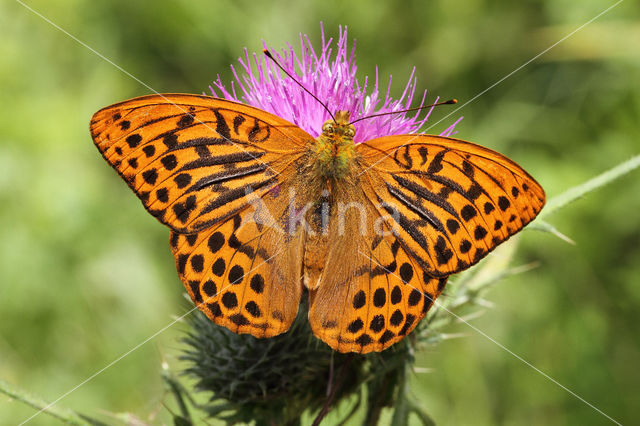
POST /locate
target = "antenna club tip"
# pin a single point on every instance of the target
(266, 52)
(452, 101)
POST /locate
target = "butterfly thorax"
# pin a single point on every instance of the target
(334, 149)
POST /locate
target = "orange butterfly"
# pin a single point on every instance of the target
(261, 212)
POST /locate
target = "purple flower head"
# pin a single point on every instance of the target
(333, 80)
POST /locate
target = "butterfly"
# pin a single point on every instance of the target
(262, 214)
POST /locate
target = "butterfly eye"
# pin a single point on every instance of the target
(350, 132)
(327, 127)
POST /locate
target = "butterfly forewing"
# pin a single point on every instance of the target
(193, 159)
(448, 201)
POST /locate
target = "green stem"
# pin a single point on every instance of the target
(424, 417)
(40, 404)
(578, 191)
(178, 392)
(401, 409)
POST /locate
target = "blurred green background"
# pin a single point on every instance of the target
(86, 274)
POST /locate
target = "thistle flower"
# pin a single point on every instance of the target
(333, 80)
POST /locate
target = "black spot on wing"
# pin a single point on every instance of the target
(150, 176)
(202, 151)
(377, 324)
(197, 262)
(386, 336)
(237, 121)
(423, 154)
(403, 158)
(468, 212)
(229, 300)
(503, 203)
(355, 326)
(379, 298)
(359, 300)
(215, 309)
(443, 253)
(169, 162)
(257, 283)
(436, 164)
(364, 339)
(467, 169)
(133, 140)
(239, 319)
(488, 208)
(182, 180)
(396, 295)
(170, 140)
(259, 133)
(195, 290)
(221, 125)
(406, 273)
(396, 318)
(210, 288)
(407, 324)
(149, 150)
(183, 210)
(185, 120)
(253, 309)
(414, 297)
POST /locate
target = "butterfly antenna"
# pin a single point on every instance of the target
(266, 52)
(449, 102)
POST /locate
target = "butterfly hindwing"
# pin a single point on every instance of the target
(244, 273)
(371, 293)
(191, 159)
(378, 306)
(450, 202)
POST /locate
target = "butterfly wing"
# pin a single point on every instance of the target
(191, 159)
(433, 206)
(449, 202)
(244, 273)
(217, 173)
(377, 305)
(372, 293)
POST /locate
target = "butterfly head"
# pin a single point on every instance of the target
(340, 128)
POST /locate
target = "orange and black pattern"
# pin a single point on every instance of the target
(452, 201)
(221, 176)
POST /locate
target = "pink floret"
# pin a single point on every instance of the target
(333, 80)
